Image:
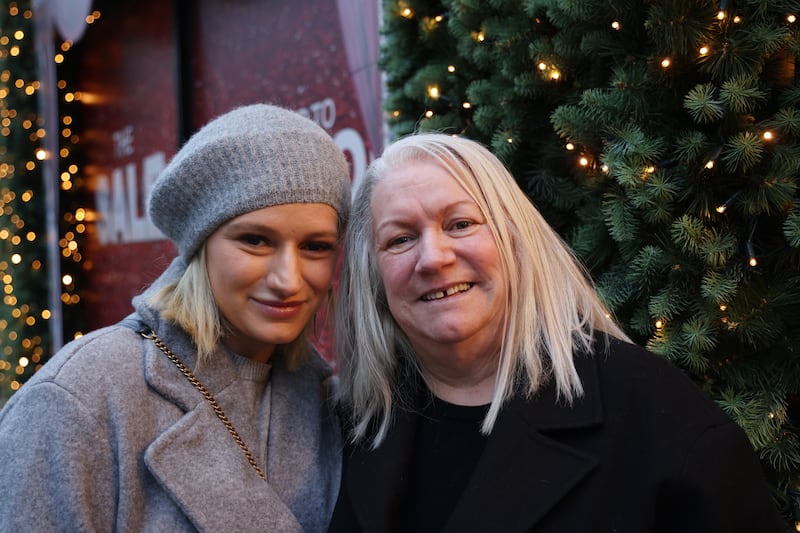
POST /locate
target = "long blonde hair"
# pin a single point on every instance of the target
(551, 307)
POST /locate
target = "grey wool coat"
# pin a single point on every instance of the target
(109, 436)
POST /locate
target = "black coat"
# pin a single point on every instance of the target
(644, 450)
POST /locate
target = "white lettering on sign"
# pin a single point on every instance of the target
(120, 203)
(349, 141)
(322, 112)
(123, 141)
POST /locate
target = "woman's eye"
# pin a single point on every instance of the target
(319, 246)
(253, 240)
(398, 242)
(462, 224)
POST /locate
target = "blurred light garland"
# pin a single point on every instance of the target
(25, 339)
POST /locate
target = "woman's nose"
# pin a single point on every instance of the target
(284, 275)
(435, 251)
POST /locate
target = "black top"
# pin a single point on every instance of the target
(448, 444)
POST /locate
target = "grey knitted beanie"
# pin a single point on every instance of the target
(252, 157)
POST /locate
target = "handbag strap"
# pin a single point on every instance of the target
(145, 331)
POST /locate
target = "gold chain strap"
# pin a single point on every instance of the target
(150, 334)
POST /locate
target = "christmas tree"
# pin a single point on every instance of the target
(661, 139)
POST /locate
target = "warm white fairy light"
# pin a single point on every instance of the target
(666, 62)
(704, 50)
(616, 25)
(451, 68)
(542, 66)
(767, 135)
(466, 105)
(583, 161)
(721, 15)
(428, 113)
(569, 146)
(710, 164)
(433, 92)
(791, 19)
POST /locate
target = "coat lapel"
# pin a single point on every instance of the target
(198, 463)
(196, 460)
(524, 472)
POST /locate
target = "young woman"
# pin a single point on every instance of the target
(485, 387)
(207, 409)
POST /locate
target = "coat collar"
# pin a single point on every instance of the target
(522, 473)
(198, 463)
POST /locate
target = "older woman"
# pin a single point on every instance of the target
(207, 409)
(485, 386)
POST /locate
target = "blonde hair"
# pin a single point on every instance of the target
(551, 307)
(189, 303)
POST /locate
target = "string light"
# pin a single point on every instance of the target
(666, 62)
(752, 260)
(704, 50)
(791, 19)
(767, 135)
(16, 336)
(713, 156)
(616, 25)
(724, 205)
